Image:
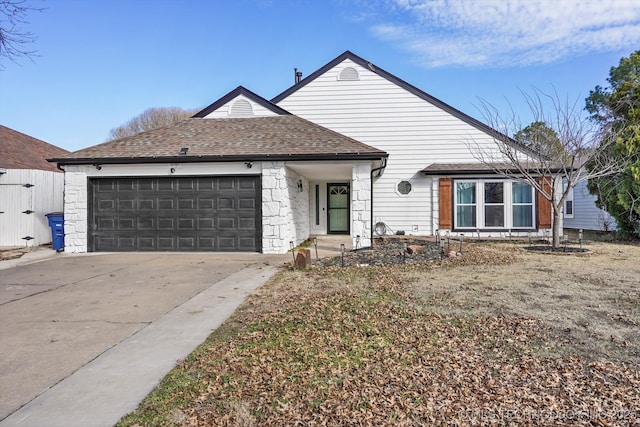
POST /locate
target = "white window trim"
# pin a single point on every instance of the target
(480, 205)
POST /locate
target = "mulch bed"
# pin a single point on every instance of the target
(387, 251)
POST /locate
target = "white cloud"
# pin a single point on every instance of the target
(510, 32)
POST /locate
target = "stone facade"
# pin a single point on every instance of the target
(285, 208)
(361, 205)
(75, 209)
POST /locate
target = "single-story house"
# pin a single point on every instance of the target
(30, 187)
(350, 149)
(581, 212)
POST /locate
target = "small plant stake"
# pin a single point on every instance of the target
(580, 235)
(437, 236)
(404, 253)
(461, 240)
(315, 244)
(529, 236)
(293, 253)
(448, 240)
(442, 249)
(342, 254)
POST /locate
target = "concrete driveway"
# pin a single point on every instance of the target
(95, 324)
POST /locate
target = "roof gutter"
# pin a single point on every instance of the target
(219, 158)
(378, 171)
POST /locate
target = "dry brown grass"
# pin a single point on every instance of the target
(497, 337)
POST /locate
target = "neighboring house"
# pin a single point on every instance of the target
(351, 149)
(581, 211)
(30, 187)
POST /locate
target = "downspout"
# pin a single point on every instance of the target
(379, 171)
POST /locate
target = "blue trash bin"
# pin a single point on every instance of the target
(56, 222)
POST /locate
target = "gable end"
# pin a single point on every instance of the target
(241, 91)
(408, 87)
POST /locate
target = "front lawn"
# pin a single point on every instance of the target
(499, 336)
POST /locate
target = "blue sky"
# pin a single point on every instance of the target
(102, 62)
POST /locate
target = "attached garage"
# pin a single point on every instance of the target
(235, 184)
(203, 213)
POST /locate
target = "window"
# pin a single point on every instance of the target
(465, 204)
(522, 205)
(493, 204)
(568, 205)
(404, 187)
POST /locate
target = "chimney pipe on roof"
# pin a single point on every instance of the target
(298, 75)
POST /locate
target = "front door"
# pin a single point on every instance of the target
(338, 206)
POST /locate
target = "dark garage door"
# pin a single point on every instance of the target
(175, 214)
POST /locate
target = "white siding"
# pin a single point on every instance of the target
(225, 110)
(44, 197)
(586, 214)
(414, 132)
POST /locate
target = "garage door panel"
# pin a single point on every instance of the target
(166, 243)
(165, 204)
(146, 205)
(186, 223)
(206, 224)
(146, 184)
(186, 204)
(147, 223)
(165, 185)
(126, 185)
(106, 204)
(166, 223)
(107, 223)
(175, 214)
(126, 224)
(245, 203)
(123, 204)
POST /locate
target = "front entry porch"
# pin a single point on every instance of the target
(339, 199)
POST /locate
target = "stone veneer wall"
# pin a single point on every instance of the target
(285, 209)
(75, 209)
(361, 205)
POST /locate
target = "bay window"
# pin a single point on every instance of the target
(493, 204)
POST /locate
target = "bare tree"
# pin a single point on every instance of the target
(553, 163)
(13, 39)
(150, 119)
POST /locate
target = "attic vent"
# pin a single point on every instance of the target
(241, 108)
(348, 73)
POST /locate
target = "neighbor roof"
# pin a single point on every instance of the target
(230, 139)
(20, 151)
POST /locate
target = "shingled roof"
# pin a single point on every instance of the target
(20, 151)
(228, 139)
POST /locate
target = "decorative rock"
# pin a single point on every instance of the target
(415, 249)
(303, 258)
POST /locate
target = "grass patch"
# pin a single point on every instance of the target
(364, 346)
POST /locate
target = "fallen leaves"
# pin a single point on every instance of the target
(353, 346)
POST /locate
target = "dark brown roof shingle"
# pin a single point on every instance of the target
(210, 139)
(20, 151)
